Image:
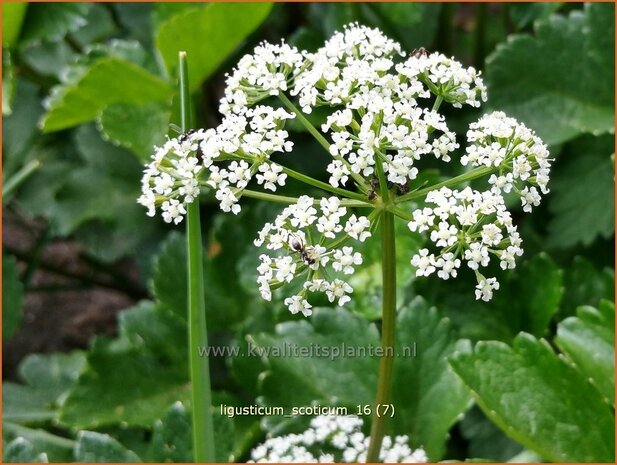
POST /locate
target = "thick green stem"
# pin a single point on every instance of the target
(201, 396)
(388, 329)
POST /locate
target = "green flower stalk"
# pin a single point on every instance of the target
(201, 395)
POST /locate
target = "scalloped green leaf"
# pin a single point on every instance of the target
(588, 339)
(582, 201)
(172, 436)
(20, 450)
(561, 80)
(46, 380)
(106, 81)
(215, 31)
(539, 399)
(427, 396)
(132, 380)
(53, 21)
(94, 447)
(136, 127)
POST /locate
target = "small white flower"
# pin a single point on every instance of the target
(298, 304)
(485, 288)
(285, 268)
(424, 262)
(271, 175)
(345, 259)
(356, 227)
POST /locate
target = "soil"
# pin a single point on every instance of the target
(69, 296)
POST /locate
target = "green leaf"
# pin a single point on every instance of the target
(527, 300)
(171, 437)
(48, 58)
(155, 328)
(47, 379)
(413, 24)
(535, 295)
(21, 450)
(224, 433)
(169, 282)
(292, 380)
(589, 341)
(12, 18)
(106, 81)
(95, 198)
(560, 81)
(215, 31)
(585, 285)
(12, 297)
(8, 82)
(136, 127)
(52, 21)
(525, 14)
(539, 399)
(428, 398)
(485, 440)
(19, 129)
(129, 383)
(101, 448)
(56, 448)
(98, 25)
(582, 200)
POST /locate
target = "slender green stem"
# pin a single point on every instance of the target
(18, 179)
(289, 200)
(322, 185)
(305, 122)
(465, 177)
(201, 396)
(388, 329)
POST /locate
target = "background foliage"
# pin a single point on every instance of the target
(89, 88)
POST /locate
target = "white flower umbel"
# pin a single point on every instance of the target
(522, 159)
(467, 227)
(334, 439)
(298, 240)
(171, 179)
(348, 60)
(383, 119)
(265, 72)
(446, 78)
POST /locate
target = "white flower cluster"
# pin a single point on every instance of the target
(349, 60)
(380, 120)
(201, 158)
(334, 439)
(446, 78)
(171, 179)
(299, 235)
(265, 72)
(467, 226)
(522, 158)
(384, 118)
(251, 137)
